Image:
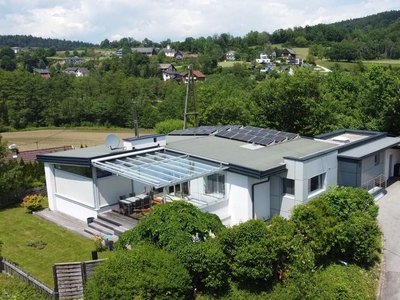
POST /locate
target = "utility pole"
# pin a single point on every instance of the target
(135, 120)
(190, 87)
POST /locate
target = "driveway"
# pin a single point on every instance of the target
(389, 220)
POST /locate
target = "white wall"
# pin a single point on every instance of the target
(395, 160)
(370, 170)
(301, 172)
(50, 185)
(111, 187)
(261, 197)
(74, 187)
(240, 206)
(74, 209)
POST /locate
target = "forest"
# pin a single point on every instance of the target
(307, 102)
(372, 37)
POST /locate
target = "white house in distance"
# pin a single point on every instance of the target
(238, 173)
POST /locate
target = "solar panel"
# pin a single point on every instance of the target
(240, 137)
(279, 138)
(257, 139)
(266, 142)
(291, 136)
(223, 134)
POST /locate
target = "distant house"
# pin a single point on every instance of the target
(16, 49)
(179, 55)
(263, 59)
(119, 53)
(167, 67)
(168, 75)
(197, 76)
(74, 60)
(30, 155)
(288, 53)
(78, 72)
(230, 55)
(147, 51)
(45, 73)
(169, 52)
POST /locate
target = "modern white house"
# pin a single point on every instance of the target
(238, 173)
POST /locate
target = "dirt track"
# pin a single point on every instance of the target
(40, 139)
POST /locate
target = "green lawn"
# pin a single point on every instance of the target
(18, 228)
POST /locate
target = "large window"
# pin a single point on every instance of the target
(215, 184)
(83, 171)
(316, 183)
(288, 186)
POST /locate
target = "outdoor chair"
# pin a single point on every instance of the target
(147, 202)
(122, 197)
(132, 194)
(138, 204)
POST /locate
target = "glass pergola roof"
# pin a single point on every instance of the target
(158, 169)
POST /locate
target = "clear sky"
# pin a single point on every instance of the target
(95, 20)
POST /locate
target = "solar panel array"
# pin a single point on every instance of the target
(256, 135)
(248, 134)
(203, 130)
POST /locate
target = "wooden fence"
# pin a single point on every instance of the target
(69, 278)
(12, 269)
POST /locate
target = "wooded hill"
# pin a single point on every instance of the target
(372, 37)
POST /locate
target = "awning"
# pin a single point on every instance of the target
(158, 169)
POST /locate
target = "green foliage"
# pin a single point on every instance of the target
(250, 253)
(33, 202)
(141, 273)
(207, 266)
(171, 226)
(168, 126)
(15, 289)
(333, 282)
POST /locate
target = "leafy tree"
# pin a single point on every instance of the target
(250, 253)
(207, 266)
(141, 273)
(7, 59)
(181, 223)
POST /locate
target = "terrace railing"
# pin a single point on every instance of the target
(379, 181)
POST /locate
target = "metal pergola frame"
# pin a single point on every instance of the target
(158, 169)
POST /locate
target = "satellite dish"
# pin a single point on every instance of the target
(112, 141)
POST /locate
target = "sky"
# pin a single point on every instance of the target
(158, 20)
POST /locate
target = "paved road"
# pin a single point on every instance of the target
(389, 220)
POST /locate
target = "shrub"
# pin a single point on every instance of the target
(33, 202)
(168, 126)
(141, 273)
(171, 226)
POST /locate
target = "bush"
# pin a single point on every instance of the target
(171, 226)
(168, 126)
(141, 273)
(207, 265)
(33, 202)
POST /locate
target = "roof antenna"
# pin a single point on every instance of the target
(135, 120)
(190, 83)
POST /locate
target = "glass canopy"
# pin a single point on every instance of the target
(158, 169)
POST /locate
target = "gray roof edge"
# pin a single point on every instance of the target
(344, 130)
(135, 138)
(370, 153)
(313, 155)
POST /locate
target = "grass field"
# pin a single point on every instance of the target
(26, 140)
(18, 228)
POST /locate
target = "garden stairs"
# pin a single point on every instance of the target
(110, 224)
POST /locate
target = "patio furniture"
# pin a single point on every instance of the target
(125, 207)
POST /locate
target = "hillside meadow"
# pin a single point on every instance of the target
(48, 138)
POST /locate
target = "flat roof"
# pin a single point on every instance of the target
(233, 152)
(370, 148)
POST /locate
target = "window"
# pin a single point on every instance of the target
(215, 184)
(316, 183)
(82, 171)
(288, 186)
(376, 159)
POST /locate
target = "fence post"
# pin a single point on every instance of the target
(55, 295)
(1, 264)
